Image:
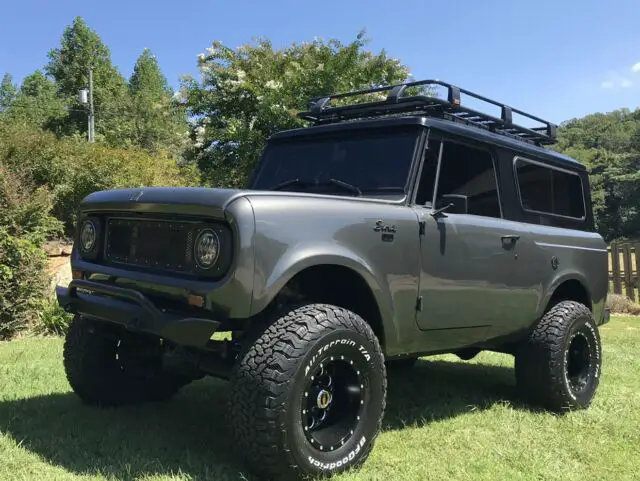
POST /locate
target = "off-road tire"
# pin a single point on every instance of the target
(271, 383)
(549, 370)
(99, 377)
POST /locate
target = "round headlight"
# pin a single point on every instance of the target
(88, 236)
(207, 248)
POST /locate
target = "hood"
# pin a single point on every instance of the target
(178, 200)
(191, 201)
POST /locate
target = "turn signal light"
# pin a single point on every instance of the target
(77, 275)
(195, 300)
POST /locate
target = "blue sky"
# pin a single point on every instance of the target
(556, 59)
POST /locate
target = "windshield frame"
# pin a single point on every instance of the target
(312, 135)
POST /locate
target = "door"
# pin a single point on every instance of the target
(469, 254)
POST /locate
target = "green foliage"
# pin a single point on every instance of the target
(148, 78)
(37, 103)
(22, 282)
(52, 319)
(80, 49)
(609, 145)
(25, 223)
(25, 207)
(42, 181)
(8, 92)
(156, 120)
(69, 169)
(248, 94)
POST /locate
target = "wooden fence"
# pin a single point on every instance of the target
(624, 263)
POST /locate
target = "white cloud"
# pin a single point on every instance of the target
(635, 68)
(614, 81)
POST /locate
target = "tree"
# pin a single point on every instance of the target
(247, 94)
(608, 144)
(37, 103)
(8, 92)
(81, 49)
(156, 120)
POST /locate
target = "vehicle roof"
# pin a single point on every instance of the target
(448, 126)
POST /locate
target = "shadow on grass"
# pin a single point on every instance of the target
(189, 434)
(438, 390)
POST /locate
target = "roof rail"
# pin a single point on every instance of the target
(450, 109)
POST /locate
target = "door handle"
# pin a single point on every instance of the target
(510, 237)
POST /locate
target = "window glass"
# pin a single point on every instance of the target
(424, 196)
(547, 190)
(377, 162)
(470, 172)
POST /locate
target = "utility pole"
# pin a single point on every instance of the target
(92, 123)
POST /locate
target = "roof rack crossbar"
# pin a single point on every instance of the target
(397, 103)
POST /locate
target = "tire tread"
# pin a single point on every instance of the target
(265, 373)
(539, 361)
(93, 374)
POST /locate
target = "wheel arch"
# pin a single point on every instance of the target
(333, 279)
(569, 288)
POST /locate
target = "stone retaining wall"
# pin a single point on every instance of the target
(58, 264)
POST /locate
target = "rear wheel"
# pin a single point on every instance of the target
(559, 366)
(307, 397)
(110, 366)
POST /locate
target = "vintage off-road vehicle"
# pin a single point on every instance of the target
(389, 229)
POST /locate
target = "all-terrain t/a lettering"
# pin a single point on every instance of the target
(323, 349)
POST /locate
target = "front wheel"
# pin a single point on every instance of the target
(307, 398)
(558, 367)
(109, 366)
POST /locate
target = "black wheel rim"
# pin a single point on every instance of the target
(333, 402)
(137, 358)
(578, 365)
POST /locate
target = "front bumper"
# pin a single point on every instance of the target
(135, 312)
(606, 316)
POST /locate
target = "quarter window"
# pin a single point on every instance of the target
(550, 191)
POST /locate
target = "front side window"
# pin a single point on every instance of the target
(376, 163)
(464, 171)
(549, 191)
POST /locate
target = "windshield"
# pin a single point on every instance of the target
(372, 163)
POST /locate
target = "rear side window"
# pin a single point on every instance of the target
(550, 191)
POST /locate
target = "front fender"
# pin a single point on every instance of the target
(294, 261)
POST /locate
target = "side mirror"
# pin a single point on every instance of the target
(457, 203)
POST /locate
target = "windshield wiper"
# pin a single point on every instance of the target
(299, 182)
(287, 183)
(345, 186)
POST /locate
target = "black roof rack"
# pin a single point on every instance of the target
(450, 109)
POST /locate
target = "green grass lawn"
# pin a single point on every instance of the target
(446, 420)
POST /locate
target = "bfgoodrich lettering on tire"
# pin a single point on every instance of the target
(559, 366)
(307, 398)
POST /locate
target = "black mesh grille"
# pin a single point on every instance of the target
(150, 243)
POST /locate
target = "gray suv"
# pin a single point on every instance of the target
(387, 230)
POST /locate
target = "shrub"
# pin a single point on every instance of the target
(42, 181)
(25, 209)
(23, 283)
(71, 168)
(52, 319)
(25, 223)
(622, 305)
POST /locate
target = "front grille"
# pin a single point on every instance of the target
(150, 243)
